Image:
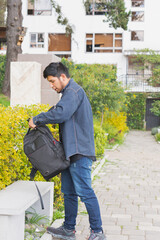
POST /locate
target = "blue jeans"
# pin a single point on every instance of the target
(76, 181)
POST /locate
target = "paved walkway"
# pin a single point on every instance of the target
(128, 190)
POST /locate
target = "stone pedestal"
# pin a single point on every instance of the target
(25, 83)
(48, 95)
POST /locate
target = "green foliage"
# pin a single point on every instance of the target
(100, 85)
(116, 14)
(106, 96)
(34, 222)
(156, 108)
(61, 19)
(109, 133)
(136, 103)
(149, 59)
(34, 218)
(115, 126)
(155, 79)
(57, 215)
(158, 137)
(2, 70)
(100, 138)
(147, 56)
(4, 100)
(13, 162)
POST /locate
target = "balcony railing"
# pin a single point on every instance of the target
(138, 83)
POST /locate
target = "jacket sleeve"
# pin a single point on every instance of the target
(63, 111)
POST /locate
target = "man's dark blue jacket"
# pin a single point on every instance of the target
(74, 115)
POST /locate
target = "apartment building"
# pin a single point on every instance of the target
(93, 40)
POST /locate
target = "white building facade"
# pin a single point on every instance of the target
(93, 40)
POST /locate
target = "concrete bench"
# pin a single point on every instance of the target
(16, 199)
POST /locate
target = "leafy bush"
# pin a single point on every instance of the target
(2, 70)
(115, 125)
(158, 137)
(156, 108)
(13, 162)
(100, 139)
(105, 94)
(149, 59)
(155, 79)
(100, 85)
(136, 104)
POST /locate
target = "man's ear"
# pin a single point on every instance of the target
(62, 77)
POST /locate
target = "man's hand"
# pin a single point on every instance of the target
(31, 124)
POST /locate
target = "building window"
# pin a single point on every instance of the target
(39, 7)
(104, 43)
(59, 42)
(37, 40)
(137, 3)
(138, 16)
(95, 7)
(137, 35)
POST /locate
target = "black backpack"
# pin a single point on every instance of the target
(45, 153)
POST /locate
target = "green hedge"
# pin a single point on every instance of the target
(136, 103)
(100, 85)
(13, 163)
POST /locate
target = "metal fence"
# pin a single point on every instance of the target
(138, 83)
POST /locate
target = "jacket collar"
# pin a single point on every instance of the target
(70, 81)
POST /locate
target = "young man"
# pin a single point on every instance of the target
(74, 115)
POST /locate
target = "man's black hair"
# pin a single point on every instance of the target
(55, 69)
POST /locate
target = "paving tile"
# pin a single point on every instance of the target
(133, 232)
(117, 237)
(137, 238)
(149, 228)
(121, 216)
(152, 236)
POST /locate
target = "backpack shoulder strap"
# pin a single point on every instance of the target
(33, 173)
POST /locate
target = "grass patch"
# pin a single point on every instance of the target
(57, 215)
(35, 225)
(96, 177)
(4, 100)
(83, 213)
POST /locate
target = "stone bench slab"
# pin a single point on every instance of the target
(16, 199)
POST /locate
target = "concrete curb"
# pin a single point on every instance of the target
(98, 168)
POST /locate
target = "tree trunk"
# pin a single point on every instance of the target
(14, 27)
